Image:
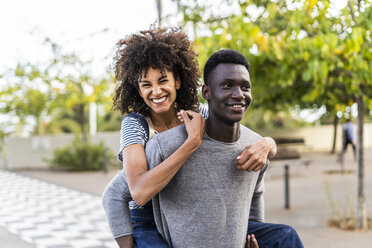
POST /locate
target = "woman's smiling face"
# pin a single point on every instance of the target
(159, 91)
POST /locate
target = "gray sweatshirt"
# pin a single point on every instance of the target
(209, 201)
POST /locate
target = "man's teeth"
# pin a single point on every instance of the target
(159, 100)
(237, 106)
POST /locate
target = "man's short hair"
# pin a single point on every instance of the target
(226, 56)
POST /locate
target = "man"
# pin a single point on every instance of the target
(348, 136)
(209, 202)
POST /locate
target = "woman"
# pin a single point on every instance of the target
(158, 75)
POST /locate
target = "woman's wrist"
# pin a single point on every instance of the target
(272, 146)
(193, 143)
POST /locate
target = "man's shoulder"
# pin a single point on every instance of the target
(170, 137)
(173, 132)
(248, 133)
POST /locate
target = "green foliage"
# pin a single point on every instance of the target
(259, 119)
(63, 124)
(109, 122)
(300, 53)
(305, 55)
(81, 156)
(63, 82)
(24, 101)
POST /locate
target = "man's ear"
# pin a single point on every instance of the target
(206, 92)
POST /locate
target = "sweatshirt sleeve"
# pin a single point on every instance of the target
(154, 154)
(257, 212)
(115, 201)
(154, 157)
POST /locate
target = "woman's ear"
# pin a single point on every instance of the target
(178, 83)
(206, 92)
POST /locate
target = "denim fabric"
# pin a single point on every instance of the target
(268, 235)
(271, 235)
(145, 233)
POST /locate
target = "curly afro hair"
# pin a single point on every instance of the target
(160, 48)
(227, 56)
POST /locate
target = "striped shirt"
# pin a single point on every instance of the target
(133, 132)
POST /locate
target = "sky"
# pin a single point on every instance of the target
(89, 27)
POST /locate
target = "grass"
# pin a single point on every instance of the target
(343, 214)
(347, 223)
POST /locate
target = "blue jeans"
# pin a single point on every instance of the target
(268, 235)
(145, 233)
(271, 235)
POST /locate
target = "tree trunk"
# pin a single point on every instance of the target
(361, 212)
(335, 124)
(84, 123)
(159, 10)
(20, 125)
(3, 153)
(39, 126)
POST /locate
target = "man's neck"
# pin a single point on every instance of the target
(222, 131)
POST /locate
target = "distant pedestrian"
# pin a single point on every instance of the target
(348, 136)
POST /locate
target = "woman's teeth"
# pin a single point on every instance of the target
(159, 100)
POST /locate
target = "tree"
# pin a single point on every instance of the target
(159, 11)
(59, 85)
(21, 97)
(303, 54)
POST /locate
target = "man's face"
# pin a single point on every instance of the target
(228, 92)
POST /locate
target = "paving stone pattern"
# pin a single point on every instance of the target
(51, 216)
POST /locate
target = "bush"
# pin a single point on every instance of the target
(81, 156)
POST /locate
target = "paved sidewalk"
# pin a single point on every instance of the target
(9, 240)
(311, 204)
(51, 216)
(309, 200)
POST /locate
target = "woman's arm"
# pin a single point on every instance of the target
(144, 184)
(255, 156)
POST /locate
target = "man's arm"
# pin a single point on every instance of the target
(125, 241)
(154, 157)
(257, 212)
(254, 157)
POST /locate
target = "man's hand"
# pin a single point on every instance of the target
(125, 241)
(254, 156)
(251, 241)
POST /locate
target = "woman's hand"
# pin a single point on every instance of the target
(255, 156)
(251, 241)
(195, 126)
